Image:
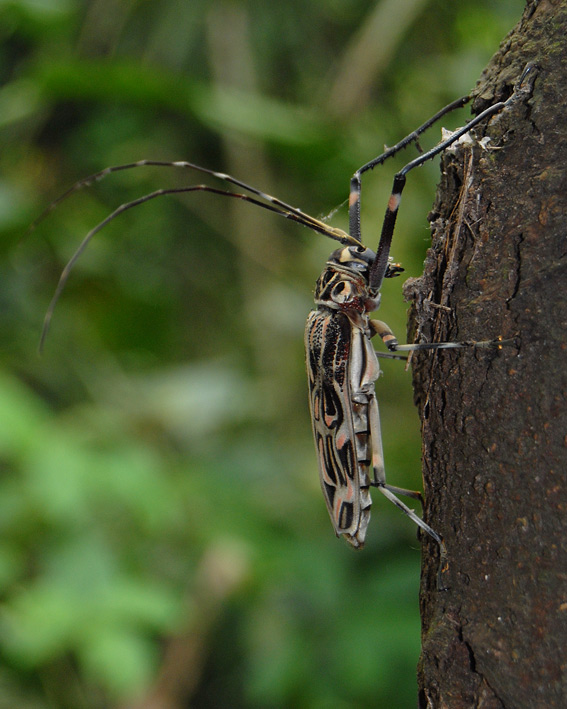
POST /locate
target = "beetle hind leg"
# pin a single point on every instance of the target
(391, 492)
(443, 557)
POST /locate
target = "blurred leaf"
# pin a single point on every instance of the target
(122, 659)
(18, 101)
(250, 114)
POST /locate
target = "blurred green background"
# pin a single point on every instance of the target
(162, 530)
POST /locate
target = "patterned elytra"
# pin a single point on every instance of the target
(342, 368)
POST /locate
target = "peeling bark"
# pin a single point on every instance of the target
(495, 422)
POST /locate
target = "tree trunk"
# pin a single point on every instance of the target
(495, 421)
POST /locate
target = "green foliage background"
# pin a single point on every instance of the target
(159, 500)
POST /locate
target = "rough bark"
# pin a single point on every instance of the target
(495, 422)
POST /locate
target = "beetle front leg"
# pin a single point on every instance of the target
(378, 327)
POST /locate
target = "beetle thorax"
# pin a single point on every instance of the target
(340, 288)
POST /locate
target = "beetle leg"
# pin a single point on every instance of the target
(390, 491)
